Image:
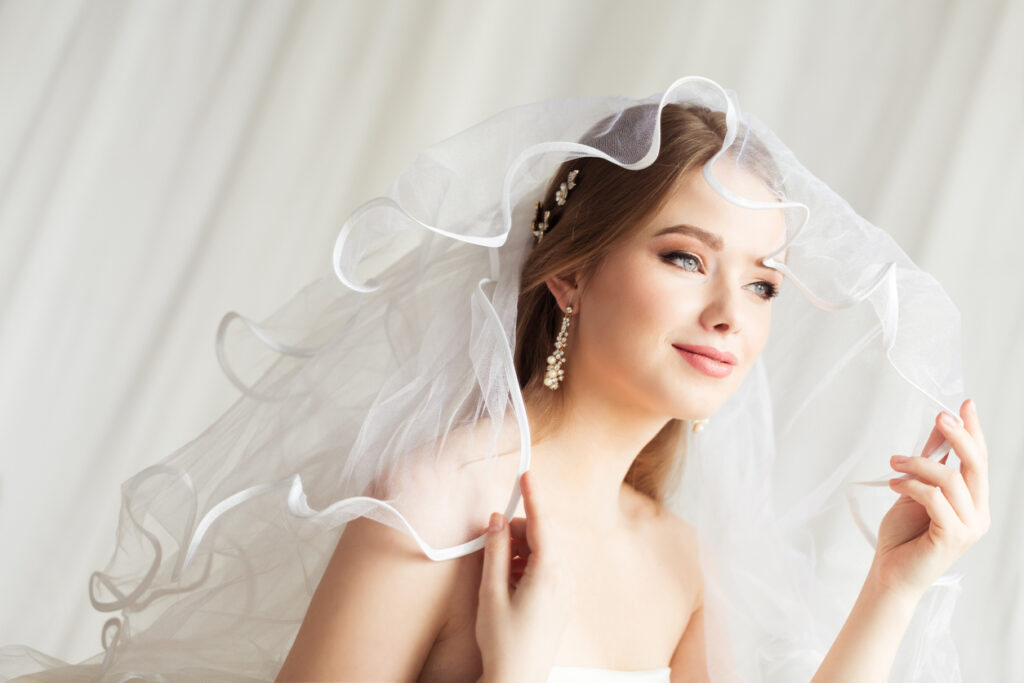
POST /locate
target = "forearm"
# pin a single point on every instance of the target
(866, 646)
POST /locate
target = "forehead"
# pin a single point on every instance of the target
(693, 202)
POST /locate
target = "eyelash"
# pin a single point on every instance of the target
(672, 256)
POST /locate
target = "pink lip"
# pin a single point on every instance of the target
(708, 360)
(709, 351)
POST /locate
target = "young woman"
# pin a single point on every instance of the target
(653, 343)
(659, 288)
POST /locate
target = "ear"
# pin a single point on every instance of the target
(566, 289)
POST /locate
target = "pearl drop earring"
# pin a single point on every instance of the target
(555, 374)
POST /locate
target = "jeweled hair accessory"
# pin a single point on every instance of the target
(563, 190)
(541, 227)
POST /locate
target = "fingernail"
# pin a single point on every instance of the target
(496, 523)
(973, 405)
(899, 458)
(947, 420)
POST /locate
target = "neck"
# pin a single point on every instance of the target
(586, 456)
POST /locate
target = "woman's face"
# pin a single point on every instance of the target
(690, 277)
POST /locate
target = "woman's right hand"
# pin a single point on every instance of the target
(519, 624)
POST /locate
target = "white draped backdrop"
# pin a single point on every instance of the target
(163, 162)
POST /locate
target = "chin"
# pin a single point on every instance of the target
(690, 410)
(700, 406)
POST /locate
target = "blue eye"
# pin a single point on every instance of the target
(685, 260)
(770, 290)
(684, 257)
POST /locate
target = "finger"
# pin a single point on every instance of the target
(519, 544)
(517, 571)
(518, 527)
(494, 579)
(520, 548)
(972, 467)
(526, 485)
(977, 476)
(972, 423)
(934, 440)
(947, 479)
(535, 534)
(943, 518)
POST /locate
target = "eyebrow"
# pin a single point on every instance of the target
(708, 238)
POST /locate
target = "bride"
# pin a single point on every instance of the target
(584, 409)
(645, 299)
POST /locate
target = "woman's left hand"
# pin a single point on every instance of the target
(941, 512)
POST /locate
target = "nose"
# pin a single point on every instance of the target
(722, 311)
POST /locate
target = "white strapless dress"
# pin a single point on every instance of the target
(585, 674)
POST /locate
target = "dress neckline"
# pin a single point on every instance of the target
(625, 671)
(589, 674)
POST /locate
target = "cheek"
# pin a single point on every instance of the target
(762, 328)
(754, 337)
(631, 306)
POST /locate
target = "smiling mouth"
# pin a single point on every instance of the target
(709, 366)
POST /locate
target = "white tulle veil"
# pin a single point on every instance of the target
(359, 397)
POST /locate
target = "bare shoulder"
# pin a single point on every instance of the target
(677, 543)
(682, 543)
(446, 489)
(382, 599)
(685, 541)
(681, 532)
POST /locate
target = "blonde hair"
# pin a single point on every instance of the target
(607, 204)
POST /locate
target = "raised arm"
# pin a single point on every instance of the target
(941, 513)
